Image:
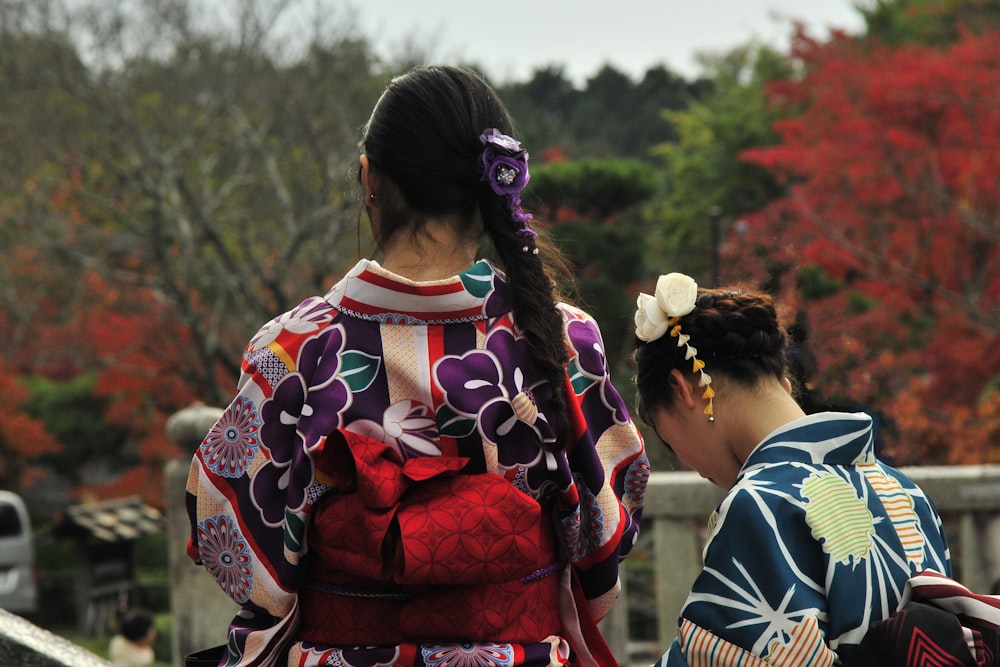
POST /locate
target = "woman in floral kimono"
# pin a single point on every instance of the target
(428, 465)
(816, 538)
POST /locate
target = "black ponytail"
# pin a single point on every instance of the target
(423, 136)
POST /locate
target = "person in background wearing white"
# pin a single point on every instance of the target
(133, 645)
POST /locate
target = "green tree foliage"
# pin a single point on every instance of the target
(928, 22)
(593, 188)
(595, 207)
(542, 107)
(704, 176)
(73, 412)
(561, 120)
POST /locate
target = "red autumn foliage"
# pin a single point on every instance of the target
(22, 439)
(892, 171)
(67, 313)
(139, 352)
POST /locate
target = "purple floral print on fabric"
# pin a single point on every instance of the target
(585, 338)
(305, 408)
(500, 388)
(328, 394)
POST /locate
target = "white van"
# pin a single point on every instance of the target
(18, 592)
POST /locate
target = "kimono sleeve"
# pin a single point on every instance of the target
(251, 487)
(608, 464)
(761, 593)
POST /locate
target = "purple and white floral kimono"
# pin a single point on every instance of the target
(376, 399)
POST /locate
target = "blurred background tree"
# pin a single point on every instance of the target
(928, 22)
(595, 211)
(171, 181)
(706, 184)
(889, 235)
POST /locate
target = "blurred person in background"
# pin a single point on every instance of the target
(132, 646)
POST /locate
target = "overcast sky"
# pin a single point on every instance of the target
(510, 38)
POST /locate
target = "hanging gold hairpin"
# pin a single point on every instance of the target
(676, 296)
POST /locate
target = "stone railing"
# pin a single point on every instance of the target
(679, 503)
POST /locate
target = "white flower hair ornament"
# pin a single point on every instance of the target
(676, 296)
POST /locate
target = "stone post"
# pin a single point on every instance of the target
(679, 504)
(201, 611)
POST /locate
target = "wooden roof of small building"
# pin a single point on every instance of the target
(115, 520)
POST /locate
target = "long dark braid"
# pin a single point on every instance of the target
(533, 295)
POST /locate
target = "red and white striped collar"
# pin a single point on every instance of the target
(371, 292)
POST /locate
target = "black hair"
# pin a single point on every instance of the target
(422, 143)
(136, 625)
(737, 335)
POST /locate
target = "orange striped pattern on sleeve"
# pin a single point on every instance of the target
(807, 648)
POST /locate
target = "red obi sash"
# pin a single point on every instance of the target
(420, 552)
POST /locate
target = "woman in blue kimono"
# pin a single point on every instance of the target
(816, 538)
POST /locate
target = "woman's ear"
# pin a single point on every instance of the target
(367, 181)
(681, 387)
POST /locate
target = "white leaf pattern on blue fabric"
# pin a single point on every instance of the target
(778, 619)
(814, 527)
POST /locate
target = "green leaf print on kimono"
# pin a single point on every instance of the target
(454, 425)
(840, 520)
(294, 532)
(358, 369)
(579, 381)
(478, 281)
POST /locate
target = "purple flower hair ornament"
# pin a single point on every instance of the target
(505, 171)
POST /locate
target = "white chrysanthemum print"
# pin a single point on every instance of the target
(304, 319)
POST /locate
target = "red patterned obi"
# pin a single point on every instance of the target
(420, 552)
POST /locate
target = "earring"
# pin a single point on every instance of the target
(372, 196)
